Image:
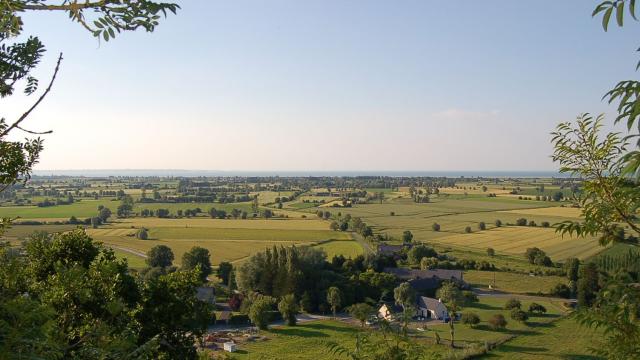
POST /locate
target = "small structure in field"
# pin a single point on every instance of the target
(229, 346)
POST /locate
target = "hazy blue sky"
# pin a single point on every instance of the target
(328, 85)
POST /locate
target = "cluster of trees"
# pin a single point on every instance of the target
(538, 257)
(348, 223)
(68, 297)
(47, 203)
(160, 261)
(305, 273)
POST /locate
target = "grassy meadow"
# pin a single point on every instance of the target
(539, 338)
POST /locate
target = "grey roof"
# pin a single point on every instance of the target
(424, 284)
(428, 303)
(442, 274)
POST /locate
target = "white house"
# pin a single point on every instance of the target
(426, 307)
(430, 308)
(387, 311)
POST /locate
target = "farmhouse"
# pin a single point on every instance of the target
(426, 308)
(430, 308)
(387, 311)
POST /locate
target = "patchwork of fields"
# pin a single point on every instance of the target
(227, 240)
(234, 240)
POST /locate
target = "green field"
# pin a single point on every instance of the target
(512, 282)
(307, 341)
(345, 248)
(563, 339)
(541, 337)
(88, 208)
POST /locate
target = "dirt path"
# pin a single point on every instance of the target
(127, 250)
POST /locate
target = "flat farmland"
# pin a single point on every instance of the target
(513, 282)
(80, 209)
(516, 239)
(281, 235)
(89, 208)
(227, 240)
(340, 247)
(289, 224)
(23, 231)
(220, 250)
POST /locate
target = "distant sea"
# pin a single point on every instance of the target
(196, 173)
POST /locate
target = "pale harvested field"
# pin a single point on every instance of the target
(227, 240)
(557, 211)
(220, 250)
(515, 240)
(477, 191)
(289, 224)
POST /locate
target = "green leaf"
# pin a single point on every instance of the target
(606, 17)
(620, 13)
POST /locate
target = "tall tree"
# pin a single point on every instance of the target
(160, 256)
(405, 296)
(288, 307)
(334, 299)
(451, 295)
(198, 257)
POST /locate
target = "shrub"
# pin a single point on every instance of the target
(542, 260)
(467, 230)
(532, 253)
(519, 315)
(469, 297)
(532, 223)
(561, 290)
(470, 319)
(545, 224)
(482, 226)
(142, 234)
(498, 223)
(512, 303)
(498, 322)
(435, 227)
(491, 252)
(521, 222)
(537, 308)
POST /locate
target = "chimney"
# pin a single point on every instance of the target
(439, 300)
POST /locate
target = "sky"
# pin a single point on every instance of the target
(326, 85)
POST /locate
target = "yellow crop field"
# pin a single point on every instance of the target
(515, 240)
